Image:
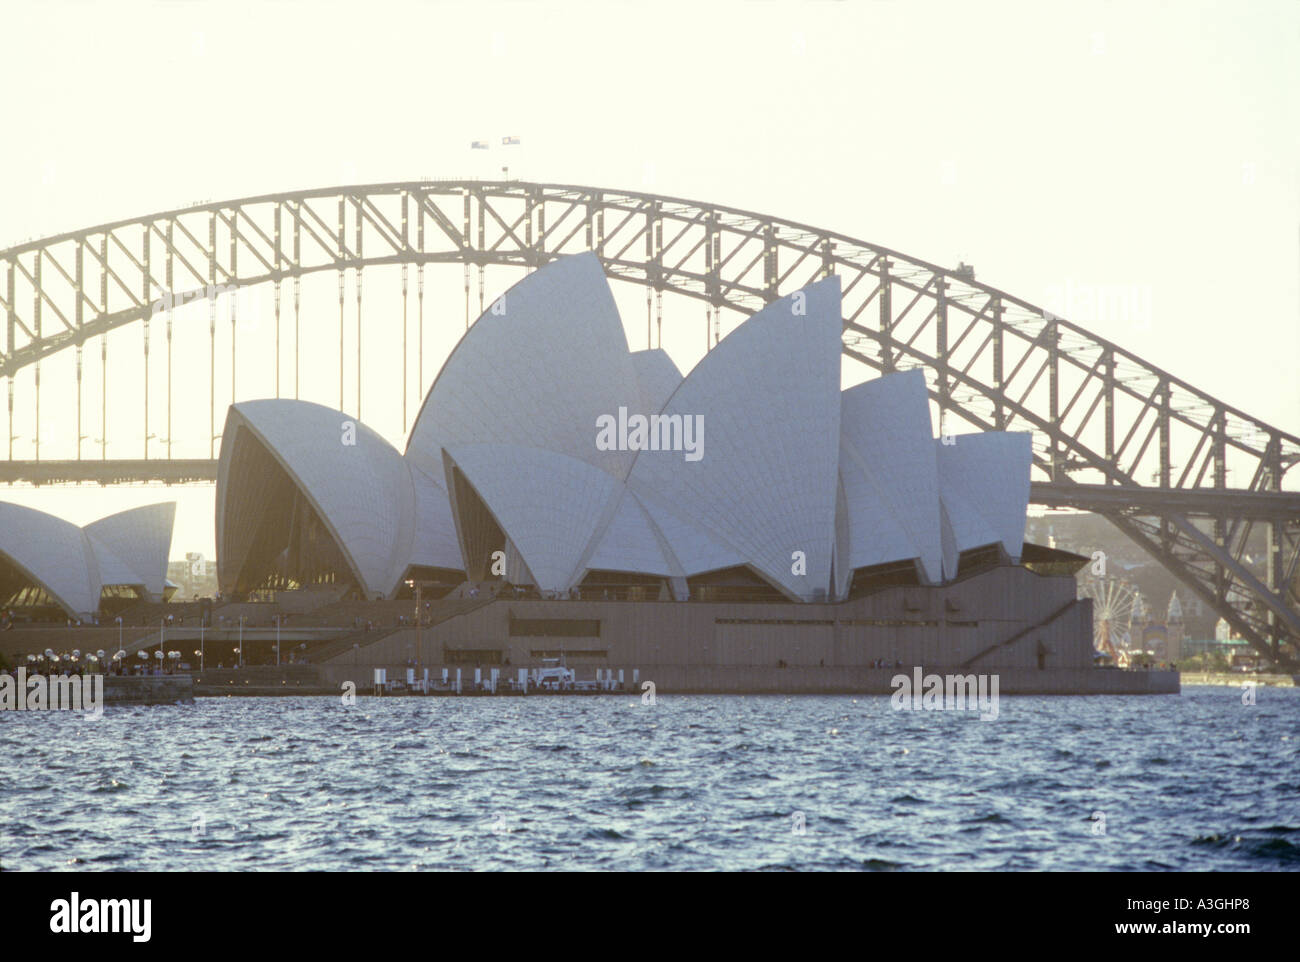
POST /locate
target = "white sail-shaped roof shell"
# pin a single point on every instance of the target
(890, 474)
(632, 543)
(766, 483)
(984, 484)
(692, 548)
(435, 539)
(141, 538)
(52, 552)
(552, 507)
(657, 376)
(362, 491)
(875, 534)
(108, 567)
(537, 369)
(74, 564)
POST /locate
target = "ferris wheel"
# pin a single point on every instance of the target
(1113, 601)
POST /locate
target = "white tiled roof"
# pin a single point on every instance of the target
(787, 461)
(984, 483)
(73, 564)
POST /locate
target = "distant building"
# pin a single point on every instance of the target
(195, 577)
(1162, 638)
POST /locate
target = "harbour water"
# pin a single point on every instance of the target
(1197, 781)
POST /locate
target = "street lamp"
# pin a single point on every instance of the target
(119, 634)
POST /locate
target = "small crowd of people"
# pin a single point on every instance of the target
(74, 664)
(9, 620)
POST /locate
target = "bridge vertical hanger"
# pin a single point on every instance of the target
(1219, 428)
(1053, 335)
(103, 349)
(886, 319)
(941, 347)
(78, 363)
(539, 251)
(1108, 387)
(339, 256)
(649, 274)
(406, 249)
(9, 345)
(171, 300)
(482, 247)
(718, 299)
(419, 294)
(148, 323)
(710, 273)
(81, 242)
(464, 245)
(233, 273)
(999, 414)
(770, 274)
(359, 256)
(36, 318)
(658, 264)
(212, 334)
(279, 268)
(1277, 578)
(1166, 402)
(297, 290)
(528, 251)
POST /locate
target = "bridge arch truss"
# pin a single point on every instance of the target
(1193, 480)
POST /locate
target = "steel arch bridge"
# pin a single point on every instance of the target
(1113, 433)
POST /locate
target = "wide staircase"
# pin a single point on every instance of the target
(1008, 642)
(437, 613)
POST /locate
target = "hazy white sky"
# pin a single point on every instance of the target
(1152, 147)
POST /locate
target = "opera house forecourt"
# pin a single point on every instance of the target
(747, 527)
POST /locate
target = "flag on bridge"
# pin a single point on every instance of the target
(509, 141)
(479, 145)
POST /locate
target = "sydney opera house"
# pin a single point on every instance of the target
(545, 444)
(750, 525)
(565, 494)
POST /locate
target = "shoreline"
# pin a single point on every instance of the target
(696, 680)
(1236, 679)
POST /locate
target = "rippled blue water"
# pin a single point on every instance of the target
(1197, 781)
